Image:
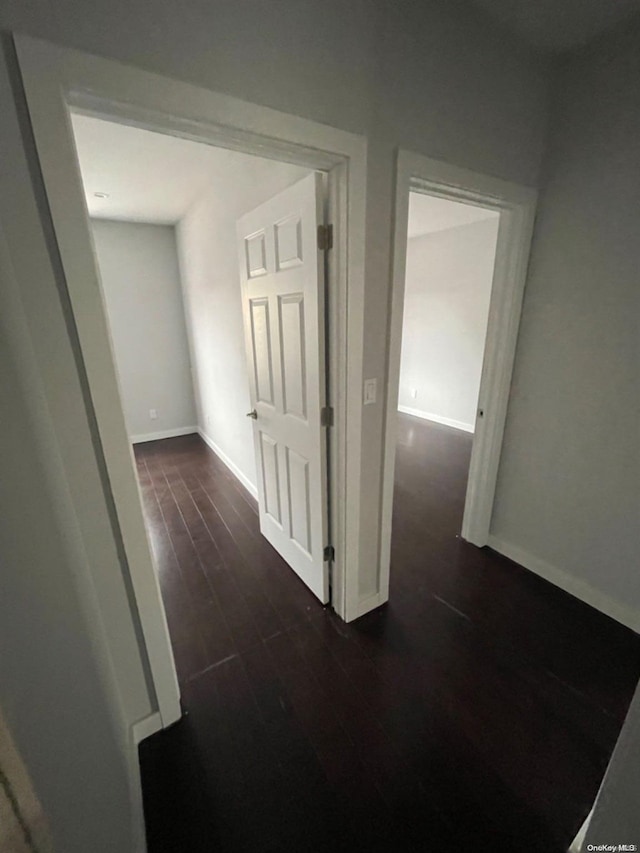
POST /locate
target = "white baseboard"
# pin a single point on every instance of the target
(146, 727)
(438, 419)
(576, 844)
(574, 586)
(164, 433)
(222, 456)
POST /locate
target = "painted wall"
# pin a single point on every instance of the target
(569, 482)
(211, 282)
(446, 306)
(432, 77)
(71, 680)
(51, 681)
(352, 65)
(143, 296)
(436, 78)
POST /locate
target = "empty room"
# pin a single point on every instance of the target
(163, 222)
(451, 248)
(318, 511)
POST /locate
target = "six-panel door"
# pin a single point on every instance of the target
(282, 275)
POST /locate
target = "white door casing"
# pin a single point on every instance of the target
(282, 278)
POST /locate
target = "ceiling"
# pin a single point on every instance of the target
(152, 177)
(148, 177)
(559, 25)
(428, 214)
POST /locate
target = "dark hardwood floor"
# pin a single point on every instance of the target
(477, 711)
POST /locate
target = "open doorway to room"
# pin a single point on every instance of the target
(208, 324)
(461, 248)
(451, 249)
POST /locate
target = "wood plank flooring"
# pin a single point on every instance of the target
(477, 711)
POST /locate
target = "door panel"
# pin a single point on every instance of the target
(298, 489)
(262, 356)
(282, 274)
(288, 240)
(271, 477)
(292, 354)
(256, 258)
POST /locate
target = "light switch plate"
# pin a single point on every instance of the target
(370, 391)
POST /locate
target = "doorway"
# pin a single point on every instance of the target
(57, 80)
(194, 242)
(507, 210)
(448, 281)
(449, 272)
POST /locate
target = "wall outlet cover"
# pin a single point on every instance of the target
(370, 391)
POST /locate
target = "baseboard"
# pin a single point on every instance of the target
(164, 433)
(222, 456)
(574, 586)
(576, 844)
(428, 416)
(146, 727)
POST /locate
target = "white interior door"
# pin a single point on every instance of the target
(282, 273)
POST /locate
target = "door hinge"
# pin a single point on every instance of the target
(326, 416)
(325, 237)
(329, 554)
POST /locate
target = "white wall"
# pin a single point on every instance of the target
(141, 284)
(569, 482)
(72, 674)
(436, 78)
(446, 306)
(213, 305)
(432, 77)
(53, 688)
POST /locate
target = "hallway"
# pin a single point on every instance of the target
(477, 710)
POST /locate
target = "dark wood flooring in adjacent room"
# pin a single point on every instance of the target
(477, 711)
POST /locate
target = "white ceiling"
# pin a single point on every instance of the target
(149, 177)
(558, 25)
(428, 214)
(152, 177)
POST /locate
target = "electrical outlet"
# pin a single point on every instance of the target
(153, 414)
(414, 393)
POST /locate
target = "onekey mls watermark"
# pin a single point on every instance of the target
(611, 848)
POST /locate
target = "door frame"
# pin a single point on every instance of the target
(58, 79)
(516, 205)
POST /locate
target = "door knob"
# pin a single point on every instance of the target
(253, 414)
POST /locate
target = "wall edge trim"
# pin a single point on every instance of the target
(222, 456)
(577, 587)
(163, 433)
(437, 419)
